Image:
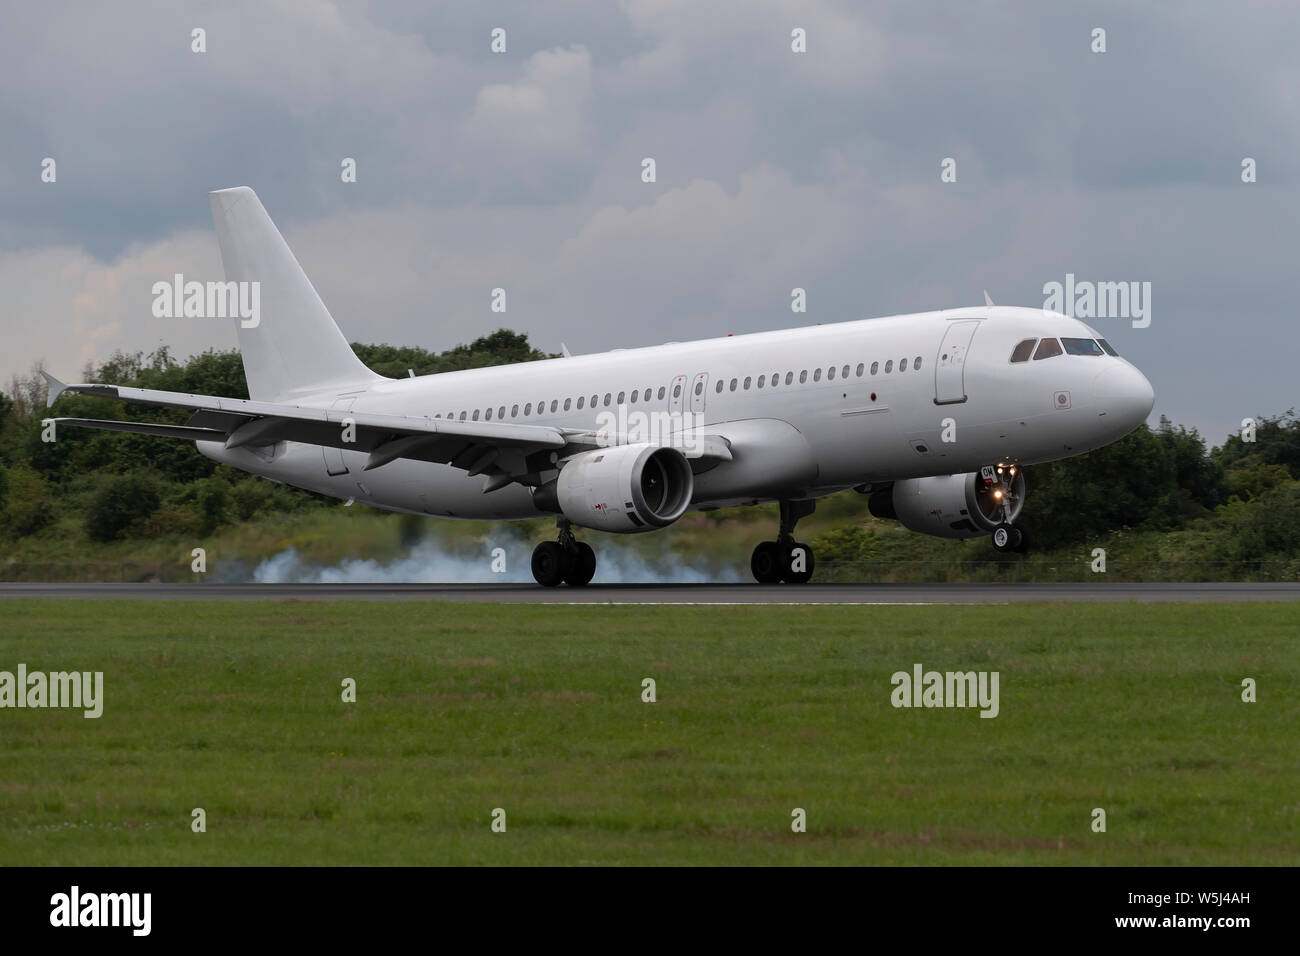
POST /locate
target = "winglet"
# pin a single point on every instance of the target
(987, 300)
(56, 387)
(564, 350)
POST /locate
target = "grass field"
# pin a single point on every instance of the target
(236, 708)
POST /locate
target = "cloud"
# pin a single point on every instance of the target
(775, 169)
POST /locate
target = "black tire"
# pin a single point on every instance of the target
(582, 566)
(797, 553)
(550, 561)
(1022, 540)
(765, 563)
(1006, 537)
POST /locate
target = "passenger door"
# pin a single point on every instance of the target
(950, 363)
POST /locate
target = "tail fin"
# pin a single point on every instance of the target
(295, 347)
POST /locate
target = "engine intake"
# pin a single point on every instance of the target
(624, 489)
(953, 506)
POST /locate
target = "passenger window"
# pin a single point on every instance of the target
(582, 400)
(902, 366)
(555, 402)
(594, 400)
(568, 402)
(476, 414)
(817, 375)
(718, 388)
(1047, 348)
(488, 416)
(635, 394)
(514, 411)
(662, 391)
(1023, 350)
(761, 380)
(889, 366)
(844, 372)
(677, 392)
(699, 388)
(1110, 349)
(621, 397)
(789, 377)
(875, 367)
(608, 396)
(916, 363)
(860, 368)
(733, 384)
(1080, 346)
(830, 374)
(747, 381)
(462, 416)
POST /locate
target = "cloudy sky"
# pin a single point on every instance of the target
(775, 169)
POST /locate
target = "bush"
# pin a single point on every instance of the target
(28, 505)
(123, 500)
(213, 499)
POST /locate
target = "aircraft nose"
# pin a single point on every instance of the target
(1124, 394)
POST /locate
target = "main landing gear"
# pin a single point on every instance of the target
(568, 559)
(785, 559)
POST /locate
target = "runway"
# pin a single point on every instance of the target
(676, 594)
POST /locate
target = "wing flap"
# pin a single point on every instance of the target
(145, 428)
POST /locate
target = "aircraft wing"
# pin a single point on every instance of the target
(503, 451)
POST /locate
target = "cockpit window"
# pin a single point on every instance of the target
(1080, 346)
(1110, 349)
(1022, 351)
(1047, 348)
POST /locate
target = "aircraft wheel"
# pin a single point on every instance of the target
(550, 561)
(765, 563)
(1022, 540)
(797, 563)
(1007, 538)
(582, 566)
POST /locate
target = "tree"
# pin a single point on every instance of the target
(1128, 484)
(1277, 442)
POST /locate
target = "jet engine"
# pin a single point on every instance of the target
(624, 489)
(954, 506)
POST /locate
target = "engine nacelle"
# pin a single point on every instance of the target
(624, 489)
(953, 506)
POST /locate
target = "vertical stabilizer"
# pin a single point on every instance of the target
(295, 347)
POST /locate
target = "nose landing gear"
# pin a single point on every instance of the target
(785, 559)
(1001, 484)
(1008, 537)
(567, 560)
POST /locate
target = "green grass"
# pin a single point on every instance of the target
(462, 708)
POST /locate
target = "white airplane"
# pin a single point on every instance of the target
(932, 414)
